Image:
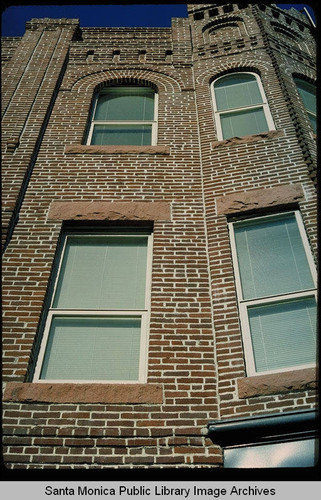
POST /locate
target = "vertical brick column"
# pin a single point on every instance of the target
(30, 81)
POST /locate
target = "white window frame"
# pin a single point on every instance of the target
(143, 314)
(264, 104)
(118, 89)
(244, 304)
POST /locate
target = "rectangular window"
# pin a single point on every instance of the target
(276, 288)
(96, 328)
(124, 115)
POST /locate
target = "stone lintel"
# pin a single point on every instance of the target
(83, 393)
(104, 210)
(255, 199)
(277, 383)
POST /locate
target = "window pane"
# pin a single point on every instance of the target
(240, 123)
(92, 348)
(272, 258)
(283, 334)
(103, 273)
(236, 91)
(126, 104)
(307, 92)
(131, 135)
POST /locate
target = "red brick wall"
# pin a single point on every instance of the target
(196, 362)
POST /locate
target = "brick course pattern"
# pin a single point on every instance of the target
(186, 185)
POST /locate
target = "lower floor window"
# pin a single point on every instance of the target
(276, 289)
(96, 325)
(93, 348)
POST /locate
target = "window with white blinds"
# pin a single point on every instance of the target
(308, 94)
(96, 327)
(276, 287)
(124, 115)
(240, 106)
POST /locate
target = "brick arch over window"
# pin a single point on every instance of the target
(227, 27)
(139, 82)
(285, 31)
(83, 88)
(162, 81)
(229, 24)
(239, 69)
(218, 23)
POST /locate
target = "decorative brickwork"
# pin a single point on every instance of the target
(185, 187)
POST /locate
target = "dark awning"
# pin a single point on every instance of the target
(265, 428)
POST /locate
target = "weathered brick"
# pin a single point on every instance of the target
(185, 186)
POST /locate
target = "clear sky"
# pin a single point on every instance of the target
(14, 17)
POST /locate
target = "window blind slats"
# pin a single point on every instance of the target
(276, 293)
(92, 348)
(237, 91)
(127, 104)
(241, 123)
(271, 257)
(103, 273)
(283, 334)
(121, 135)
(307, 92)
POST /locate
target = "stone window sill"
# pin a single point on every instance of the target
(100, 150)
(277, 383)
(83, 393)
(246, 139)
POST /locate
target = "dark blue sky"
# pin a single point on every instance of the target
(15, 17)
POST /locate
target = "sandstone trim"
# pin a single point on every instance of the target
(104, 210)
(247, 139)
(255, 199)
(90, 149)
(83, 393)
(277, 383)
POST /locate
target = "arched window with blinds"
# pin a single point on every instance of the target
(240, 106)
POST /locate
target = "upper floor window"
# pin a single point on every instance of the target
(276, 288)
(307, 93)
(240, 106)
(96, 326)
(124, 115)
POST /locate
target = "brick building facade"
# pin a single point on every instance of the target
(195, 181)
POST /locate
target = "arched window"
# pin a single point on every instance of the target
(307, 93)
(124, 115)
(240, 106)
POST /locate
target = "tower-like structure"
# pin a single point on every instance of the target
(159, 236)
